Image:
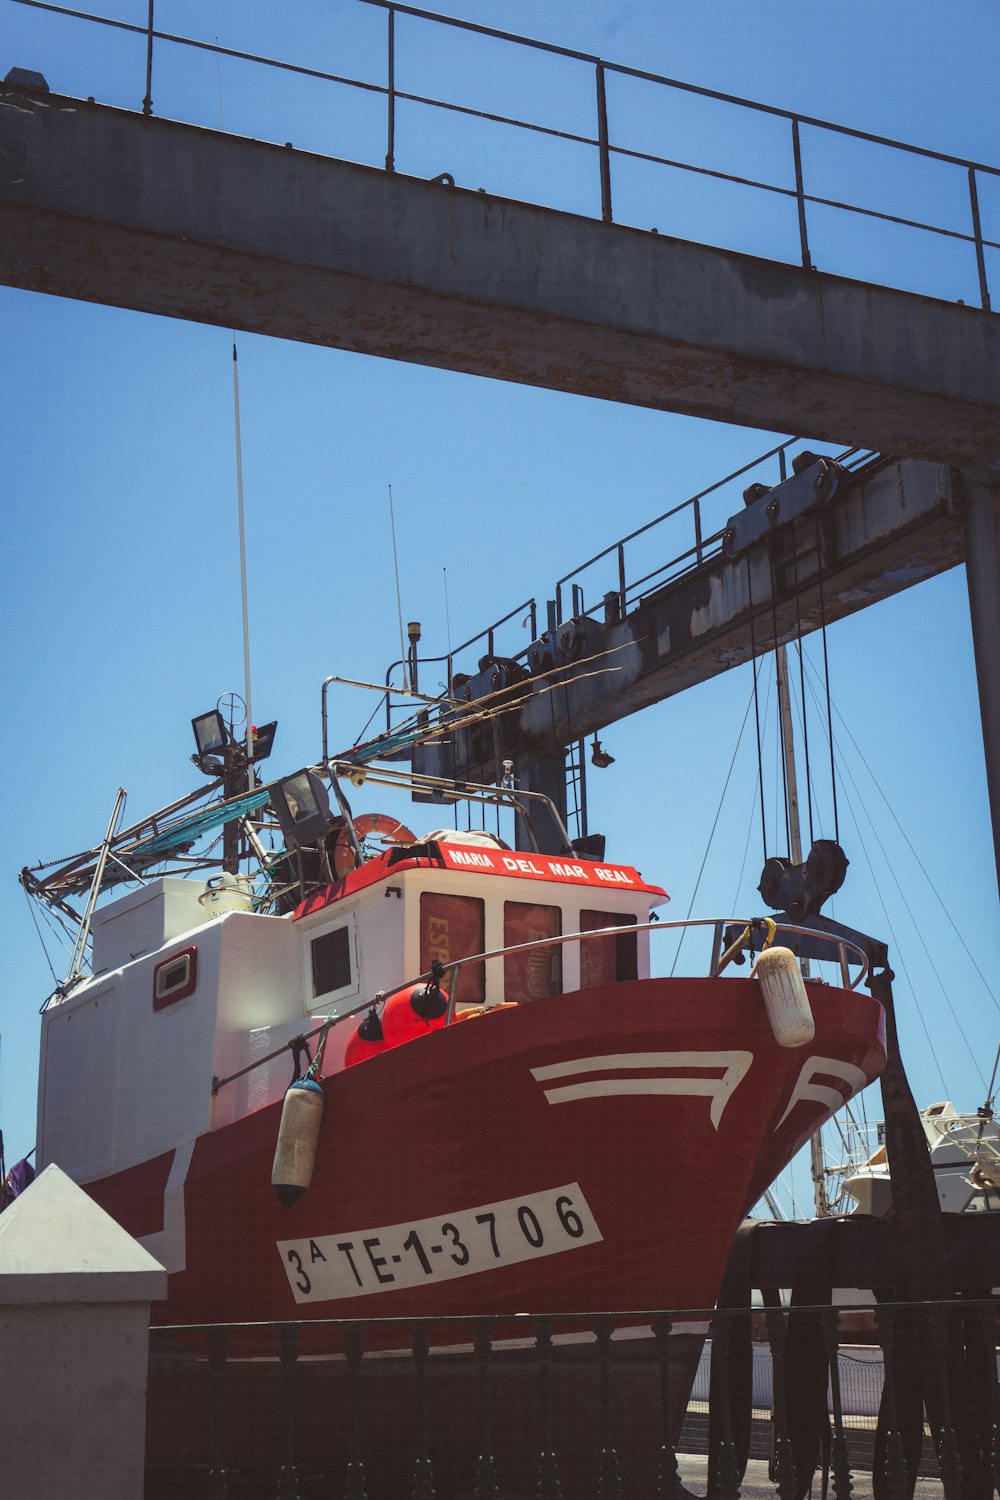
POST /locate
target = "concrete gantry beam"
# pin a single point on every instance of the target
(114, 207)
(885, 528)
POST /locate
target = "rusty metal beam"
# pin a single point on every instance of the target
(116, 207)
(882, 530)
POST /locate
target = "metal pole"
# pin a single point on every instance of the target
(147, 103)
(800, 199)
(602, 145)
(982, 572)
(390, 154)
(243, 570)
(977, 230)
(816, 1170)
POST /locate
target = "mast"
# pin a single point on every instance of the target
(795, 840)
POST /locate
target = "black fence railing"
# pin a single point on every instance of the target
(609, 1406)
(796, 180)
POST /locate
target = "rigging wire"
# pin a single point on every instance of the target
(895, 943)
(399, 601)
(715, 823)
(753, 811)
(756, 708)
(895, 940)
(916, 856)
(802, 687)
(826, 675)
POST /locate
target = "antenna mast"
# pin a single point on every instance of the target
(243, 568)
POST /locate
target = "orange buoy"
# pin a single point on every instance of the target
(366, 1041)
(411, 1012)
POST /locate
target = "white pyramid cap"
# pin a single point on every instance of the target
(57, 1245)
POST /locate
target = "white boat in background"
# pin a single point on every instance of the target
(965, 1155)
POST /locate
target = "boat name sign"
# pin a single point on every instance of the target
(361, 1261)
(541, 867)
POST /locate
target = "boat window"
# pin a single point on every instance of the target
(609, 959)
(453, 927)
(529, 976)
(331, 961)
(175, 978)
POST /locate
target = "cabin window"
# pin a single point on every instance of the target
(454, 927)
(175, 978)
(331, 961)
(610, 959)
(532, 975)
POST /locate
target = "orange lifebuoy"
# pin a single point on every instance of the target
(388, 830)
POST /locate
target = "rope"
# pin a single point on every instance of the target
(920, 865)
(756, 709)
(781, 737)
(711, 836)
(826, 675)
(802, 684)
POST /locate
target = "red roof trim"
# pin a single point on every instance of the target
(585, 874)
(370, 873)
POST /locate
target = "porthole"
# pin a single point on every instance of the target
(175, 978)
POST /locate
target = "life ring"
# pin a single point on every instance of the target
(389, 831)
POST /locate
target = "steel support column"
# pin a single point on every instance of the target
(982, 571)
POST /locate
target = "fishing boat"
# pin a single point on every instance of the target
(366, 1073)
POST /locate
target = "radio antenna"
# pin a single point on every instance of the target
(243, 566)
(399, 601)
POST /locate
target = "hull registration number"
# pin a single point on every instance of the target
(361, 1261)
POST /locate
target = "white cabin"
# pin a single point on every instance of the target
(180, 997)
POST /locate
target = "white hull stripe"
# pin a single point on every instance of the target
(168, 1244)
(850, 1081)
(731, 1068)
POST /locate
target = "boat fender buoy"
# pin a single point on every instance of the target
(298, 1135)
(785, 997)
(411, 1012)
(368, 1040)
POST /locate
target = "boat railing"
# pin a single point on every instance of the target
(841, 950)
(446, 975)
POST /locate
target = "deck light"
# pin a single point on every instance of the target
(302, 807)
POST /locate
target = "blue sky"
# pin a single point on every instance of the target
(120, 590)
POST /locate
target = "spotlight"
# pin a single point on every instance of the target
(302, 807)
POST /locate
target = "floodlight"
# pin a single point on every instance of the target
(302, 806)
(600, 757)
(210, 733)
(263, 739)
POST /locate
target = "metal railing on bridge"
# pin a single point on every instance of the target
(618, 142)
(616, 1406)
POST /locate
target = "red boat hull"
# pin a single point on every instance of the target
(594, 1151)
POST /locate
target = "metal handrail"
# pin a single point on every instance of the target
(718, 923)
(434, 976)
(606, 148)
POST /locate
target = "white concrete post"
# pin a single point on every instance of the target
(75, 1291)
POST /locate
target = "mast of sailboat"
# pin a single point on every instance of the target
(816, 1168)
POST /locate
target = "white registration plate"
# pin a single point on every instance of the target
(462, 1243)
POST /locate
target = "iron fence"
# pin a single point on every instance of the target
(613, 1406)
(612, 153)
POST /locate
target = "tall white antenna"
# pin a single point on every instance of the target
(399, 601)
(243, 567)
(447, 615)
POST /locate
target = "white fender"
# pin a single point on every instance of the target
(785, 997)
(298, 1135)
